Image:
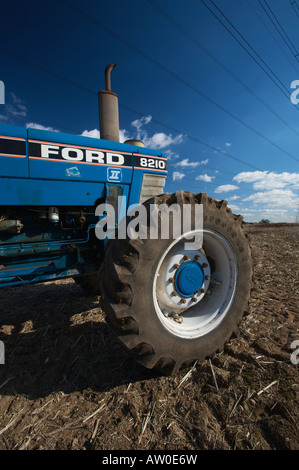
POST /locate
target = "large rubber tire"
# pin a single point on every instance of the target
(130, 302)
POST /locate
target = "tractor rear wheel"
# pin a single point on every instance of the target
(170, 306)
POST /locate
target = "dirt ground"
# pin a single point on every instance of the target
(68, 384)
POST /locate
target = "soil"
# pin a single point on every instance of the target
(68, 384)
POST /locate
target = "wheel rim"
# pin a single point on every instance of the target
(193, 290)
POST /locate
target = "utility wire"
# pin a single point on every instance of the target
(43, 69)
(295, 7)
(286, 92)
(191, 137)
(218, 62)
(178, 78)
(52, 126)
(286, 35)
(157, 64)
(273, 37)
(134, 111)
(295, 54)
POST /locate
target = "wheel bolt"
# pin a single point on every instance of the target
(177, 318)
(176, 266)
(186, 258)
(183, 301)
(194, 299)
(196, 257)
(174, 293)
(207, 278)
(204, 265)
(171, 280)
(202, 290)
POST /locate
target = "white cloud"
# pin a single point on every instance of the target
(268, 180)
(139, 123)
(224, 188)
(13, 108)
(35, 125)
(234, 208)
(228, 144)
(205, 178)
(249, 211)
(171, 155)
(123, 135)
(95, 133)
(160, 140)
(157, 141)
(255, 214)
(177, 176)
(185, 162)
(233, 198)
(273, 211)
(275, 198)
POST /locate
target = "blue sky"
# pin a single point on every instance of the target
(213, 94)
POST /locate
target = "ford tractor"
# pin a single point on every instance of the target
(170, 302)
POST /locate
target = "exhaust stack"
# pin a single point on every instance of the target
(108, 109)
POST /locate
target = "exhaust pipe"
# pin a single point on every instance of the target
(108, 109)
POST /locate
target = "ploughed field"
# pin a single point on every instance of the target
(68, 384)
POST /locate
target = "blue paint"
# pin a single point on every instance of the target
(41, 169)
(26, 192)
(189, 278)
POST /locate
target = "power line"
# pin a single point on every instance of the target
(286, 92)
(286, 35)
(295, 54)
(160, 66)
(273, 37)
(44, 69)
(134, 111)
(217, 61)
(86, 89)
(193, 138)
(52, 126)
(178, 78)
(295, 7)
(205, 166)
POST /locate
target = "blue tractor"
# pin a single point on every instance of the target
(169, 305)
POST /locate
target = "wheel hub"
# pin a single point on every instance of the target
(183, 281)
(189, 279)
(189, 300)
